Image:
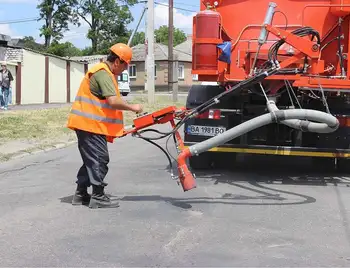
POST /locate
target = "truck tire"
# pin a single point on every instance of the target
(213, 160)
(324, 163)
(200, 162)
(343, 165)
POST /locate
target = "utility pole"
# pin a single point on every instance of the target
(172, 85)
(150, 51)
(146, 46)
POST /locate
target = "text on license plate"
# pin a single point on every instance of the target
(205, 130)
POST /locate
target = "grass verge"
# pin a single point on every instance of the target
(38, 129)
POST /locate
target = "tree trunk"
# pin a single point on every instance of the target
(94, 37)
(47, 41)
(48, 26)
(94, 44)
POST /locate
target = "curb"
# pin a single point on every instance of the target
(48, 148)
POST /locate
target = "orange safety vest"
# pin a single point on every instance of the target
(94, 115)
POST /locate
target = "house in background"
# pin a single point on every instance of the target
(186, 48)
(183, 52)
(137, 72)
(40, 77)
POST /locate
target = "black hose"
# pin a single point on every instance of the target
(152, 130)
(260, 76)
(273, 51)
(239, 86)
(199, 109)
(157, 145)
(341, 59)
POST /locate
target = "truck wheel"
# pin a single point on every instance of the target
(343, 165)
(224, 160)
(202, 161)
(210, 160)
(323, 163)
(125, 94)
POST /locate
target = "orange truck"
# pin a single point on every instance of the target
(275, 81)
(308, 42)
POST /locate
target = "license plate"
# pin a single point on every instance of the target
(205, 130)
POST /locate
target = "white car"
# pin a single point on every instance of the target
(124, 83)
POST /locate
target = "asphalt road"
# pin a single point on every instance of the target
(238, 218)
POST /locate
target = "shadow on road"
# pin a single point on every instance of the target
(256, 178)
(254, 175)
(68, 199)
(276, 169)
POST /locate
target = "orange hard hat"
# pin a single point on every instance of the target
(124, 52)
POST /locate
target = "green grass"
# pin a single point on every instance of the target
(48, 126)
(45, 125)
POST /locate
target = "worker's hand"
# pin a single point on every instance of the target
(137, 108)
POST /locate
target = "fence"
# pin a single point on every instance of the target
(41, 78)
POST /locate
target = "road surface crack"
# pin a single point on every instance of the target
(29, 165)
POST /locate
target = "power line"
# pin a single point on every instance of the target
(184, 4)
(184, 9)
(19, 20)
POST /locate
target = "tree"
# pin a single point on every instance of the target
(56, 14)
(139, 38)
(29, 42)
(66, 49)
(107, 20)
(162, 35)
(87, 51)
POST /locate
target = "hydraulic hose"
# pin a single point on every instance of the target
(272, 117)
(328, 124)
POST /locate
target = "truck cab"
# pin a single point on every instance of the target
(124, 83)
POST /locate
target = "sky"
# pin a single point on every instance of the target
(13, 10)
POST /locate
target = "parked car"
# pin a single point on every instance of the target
(124, 83)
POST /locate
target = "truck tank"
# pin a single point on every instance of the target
(206, 54)
(235, 39)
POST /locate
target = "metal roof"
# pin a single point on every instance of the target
(183, 52)
(89, 59)
(185, 48)
(160, 53)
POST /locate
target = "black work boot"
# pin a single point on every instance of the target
(100, 200)
(81, 196)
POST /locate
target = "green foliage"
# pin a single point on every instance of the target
(139, 38)
(107, 20)
(29, 42)
(56, 15)
(162, 35)
(66, 49)
(87, 51)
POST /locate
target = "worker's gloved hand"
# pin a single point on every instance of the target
(137, 108)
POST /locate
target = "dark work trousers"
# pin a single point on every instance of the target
(94, 153)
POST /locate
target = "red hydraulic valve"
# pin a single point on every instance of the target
(165, 115)
(144, 120)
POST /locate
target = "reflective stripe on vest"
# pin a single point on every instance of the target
(91, 114)
(94, 102)
(97, 117)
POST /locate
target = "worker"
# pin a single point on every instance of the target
(97, 118)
